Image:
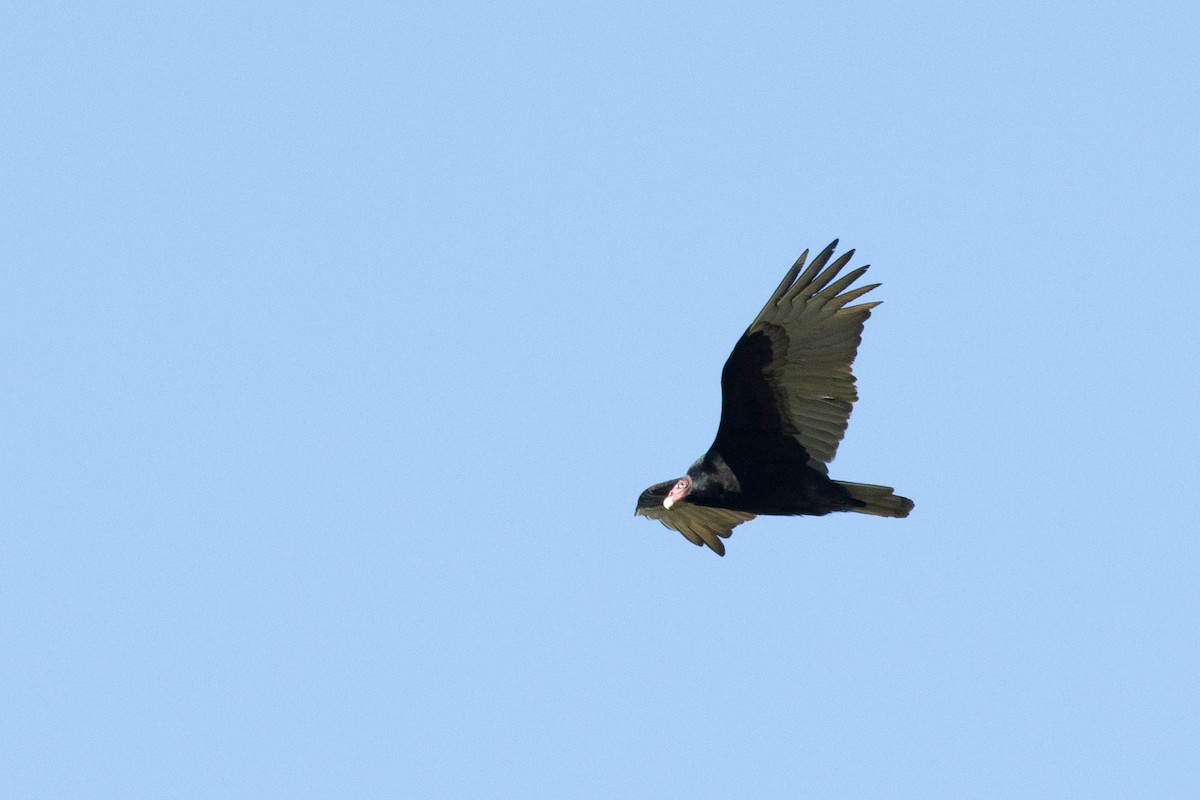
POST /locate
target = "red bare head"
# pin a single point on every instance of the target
(681, 490)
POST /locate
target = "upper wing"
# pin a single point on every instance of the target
(790, 372)
(698, 524)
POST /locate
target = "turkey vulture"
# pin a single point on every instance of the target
(786, 394)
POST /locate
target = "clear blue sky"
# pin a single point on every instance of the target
(339, 340)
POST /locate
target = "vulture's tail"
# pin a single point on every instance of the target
(882, 501)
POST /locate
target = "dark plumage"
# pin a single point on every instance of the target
(786, 395)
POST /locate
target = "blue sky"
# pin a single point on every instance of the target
(339, 340)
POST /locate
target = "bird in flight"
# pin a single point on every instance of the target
(786, 395)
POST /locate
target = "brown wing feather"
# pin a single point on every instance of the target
(790, 372)
(700, 525)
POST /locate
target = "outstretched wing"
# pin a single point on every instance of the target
(790, 374)
(700, 525)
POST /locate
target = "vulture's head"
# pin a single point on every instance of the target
(656, 496)
(665, 494)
